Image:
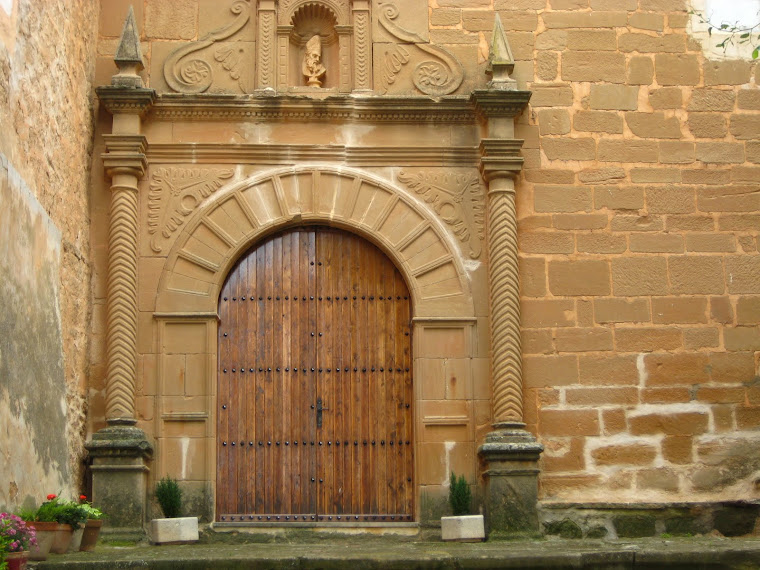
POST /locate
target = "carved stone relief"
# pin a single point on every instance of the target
(174, 194)
(435, 77)
(191, 68)
(458, 199)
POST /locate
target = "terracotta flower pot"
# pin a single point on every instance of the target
(90, 536)
(62, 539)
(76, 540)
(45, 536)
(17, 560)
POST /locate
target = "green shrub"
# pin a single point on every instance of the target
(460, 495)
(169, 497)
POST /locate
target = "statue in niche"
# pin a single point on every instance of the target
(312, 66)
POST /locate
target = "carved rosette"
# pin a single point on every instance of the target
(175, 193)
(435, 77)
(504, 288)
(458, 201)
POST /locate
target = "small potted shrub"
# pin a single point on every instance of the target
(94, 523)
(173, 529)
(70, 518)
(462, 526)
(16, 539)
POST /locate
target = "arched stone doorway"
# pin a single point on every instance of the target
(315, 398)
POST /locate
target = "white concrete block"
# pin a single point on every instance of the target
(182, 529)
(467, 528)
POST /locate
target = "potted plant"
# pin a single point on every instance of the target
(462, 526)
(94, 523)
(173, 529)
(45, 531)
(16, 538)
(70, 518)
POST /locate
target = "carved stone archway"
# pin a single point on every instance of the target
(233, 218)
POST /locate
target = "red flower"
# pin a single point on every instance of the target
(82, 497)
(51, 496)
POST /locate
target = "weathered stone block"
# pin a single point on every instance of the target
(670, 199)
(696, 275)
(707, 125)
(614, 97)
(749, 99)
(730, 72)
(720, 152)
(552, 96)
(634, 526)
(640, 70)
(639, 276)
(656, 243)
(547, 65)
(674, 369)
(676, 69)
(554, 121)
(621, 310)
(627, 151)
(619, 198)
(645, 21)
(579, 278)
(569, 148)
(633, 454)
(607, 370)
(598, 121)
(593, 66)
(745, 126)
(645, 43)
(556, 198)
(591, 40)
(711, 100)
(666, 98)
(673, 152)
(653, 125)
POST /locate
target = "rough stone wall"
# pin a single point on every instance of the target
(639, 214)
(47, 52)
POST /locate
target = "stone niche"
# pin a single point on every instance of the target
(314, 56)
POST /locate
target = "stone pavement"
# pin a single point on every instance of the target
(397, 553)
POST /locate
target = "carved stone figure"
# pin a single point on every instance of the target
(312, 66)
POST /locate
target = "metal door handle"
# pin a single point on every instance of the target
(319, 412)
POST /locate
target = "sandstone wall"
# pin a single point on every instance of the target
(639, 211)
(46, 63)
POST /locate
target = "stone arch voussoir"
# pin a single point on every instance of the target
(235, 217)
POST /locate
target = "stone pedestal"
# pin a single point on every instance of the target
(511, 479)
(119, 477)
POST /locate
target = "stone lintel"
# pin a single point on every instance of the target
(490, 103)
(346, 108)
(126, 99)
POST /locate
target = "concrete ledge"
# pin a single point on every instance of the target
(371, 552)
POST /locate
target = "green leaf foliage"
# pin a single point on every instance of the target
(460, 496)
(169, 497)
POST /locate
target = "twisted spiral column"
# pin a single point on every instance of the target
(122, 301)
(504, 289)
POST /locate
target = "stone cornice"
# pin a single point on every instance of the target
(295, 154)
(129, 100)
(446, 110)
(125, 153)
(494, 103)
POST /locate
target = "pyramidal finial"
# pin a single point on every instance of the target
(128, 56)
(501, 63)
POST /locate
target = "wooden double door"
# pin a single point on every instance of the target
(315, 400)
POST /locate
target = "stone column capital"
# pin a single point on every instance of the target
(126, 100)
(500, 158)
(125, 154)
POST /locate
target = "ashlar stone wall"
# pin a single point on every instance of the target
(639, 212)
(46, 63)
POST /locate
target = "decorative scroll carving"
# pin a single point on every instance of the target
(122, 304)
(503, 277)
(181, 190)
(185, 73)
(395, 60)
(432, 77)
(457, 199)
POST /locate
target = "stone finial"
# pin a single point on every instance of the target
(128, 56)
(501, 63)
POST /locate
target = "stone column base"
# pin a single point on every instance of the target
(120, 455)
(511, 456)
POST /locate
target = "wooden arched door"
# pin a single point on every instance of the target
(315, 397)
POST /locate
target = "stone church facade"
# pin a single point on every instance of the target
(311, 256)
